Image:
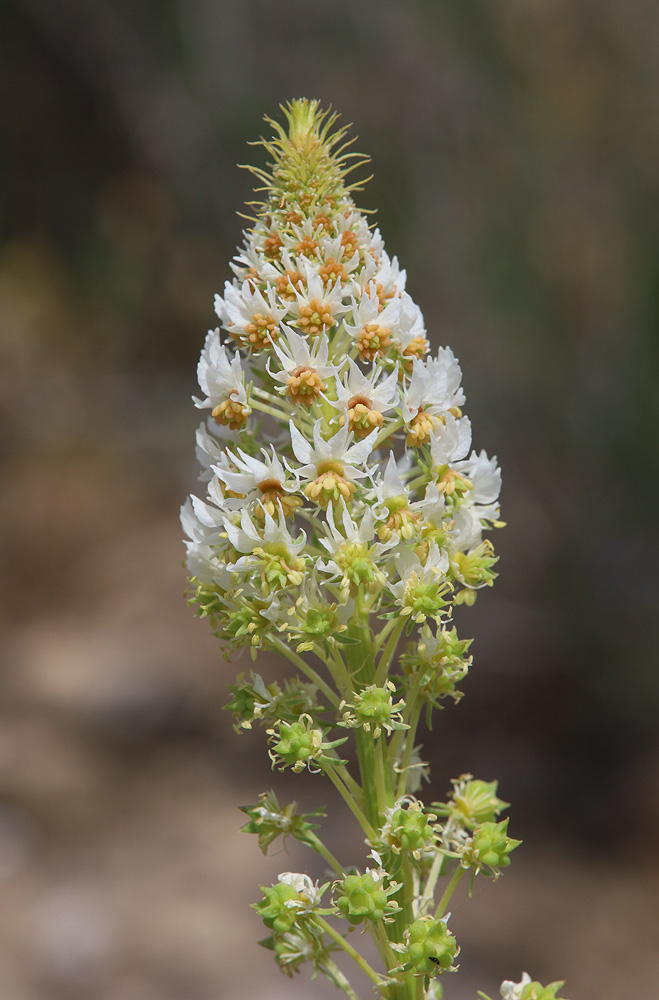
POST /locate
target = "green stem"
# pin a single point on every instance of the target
(366, 758)
(350, 782)
(342, 677)
(349, 799)
(387, 654)
(334, 974)
(409, 749)
(270, 410)
(308, 671)
(384, 633)
(431, 881)
(450, 888)
(411, 716)
(317, 845)
(379, 935)
(387, 432)
(349, 950)
(381, 776)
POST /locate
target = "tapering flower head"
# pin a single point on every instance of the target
(340, 477)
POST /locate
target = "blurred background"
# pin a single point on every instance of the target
(515, 147)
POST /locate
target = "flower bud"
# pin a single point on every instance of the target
(373, 709)
(431, 947)
(363, 897)
(489, 847)
(409, 829)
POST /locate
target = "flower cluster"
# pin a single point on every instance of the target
(336, 457)
(344, 508)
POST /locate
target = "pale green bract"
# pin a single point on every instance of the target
(343, 514)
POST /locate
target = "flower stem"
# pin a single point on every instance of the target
(335, 975)
(349, 950)
(270, 410)
(308, 671)
(349, 799)
(387, 654)
(366, 758)
(384, 434)
(317, 845)
(411, 715)
(431, 881)
(450, 888)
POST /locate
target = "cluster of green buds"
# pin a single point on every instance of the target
(408, 827)
(343, 509)
(429, 946)
(301, 745)
(373, 709)
(367, 897)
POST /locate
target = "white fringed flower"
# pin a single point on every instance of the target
(372, 325)
(250, 317)
(365, 398)
(304, 366)
(262, 481)
(331, 468)
(223, 382)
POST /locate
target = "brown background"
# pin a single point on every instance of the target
(515, 147)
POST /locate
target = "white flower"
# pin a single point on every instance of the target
(427, 390)
(317, 307)
(309, 893)
(297, 355)
(513, 991)
(450, 440)
(336, 449)
(202, 557)
(368, 311)
(419, 590)
(371, 391)
(220, 378)
(249, 259)
(248, 537)
(255, 479)
(389, 485)
(484, 475)
(354, 559)
(209, 451)
(331, 251)
(210, 516)
(251, 317)
(410, 323)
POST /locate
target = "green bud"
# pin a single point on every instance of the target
(269, 821)
(363, 897)
(472, 802)
(536, 991)
(489, 847)
(374, 710)
(299, 745)
(474, 569)
(292, 949)
(296, 744)
(444, 661)
(409, 829)
(273, 909)
(431, 948)
(290, 900)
